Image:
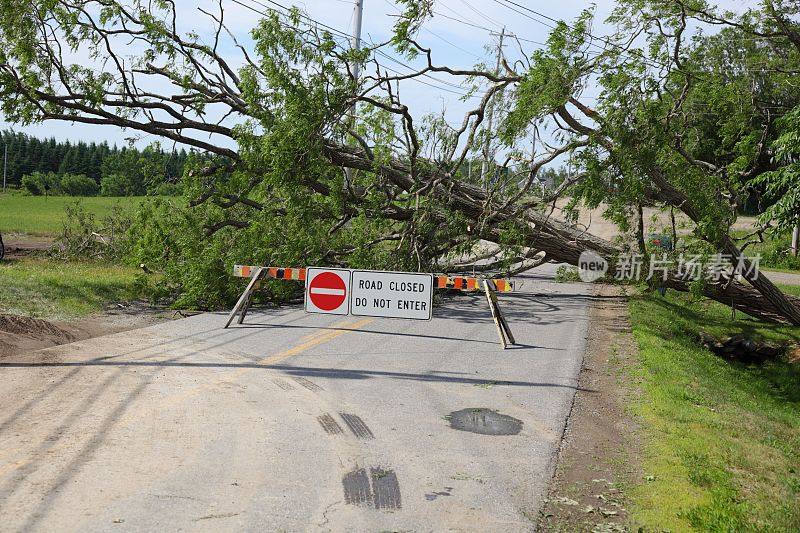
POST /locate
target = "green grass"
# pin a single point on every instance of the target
(63, 290)
(774, 252)
(43, 216)
(722, 439)
(790, 289)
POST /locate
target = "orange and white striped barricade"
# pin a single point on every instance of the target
(256, 274)
(466, 283)
(490, 287)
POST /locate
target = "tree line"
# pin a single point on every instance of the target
(48, 166)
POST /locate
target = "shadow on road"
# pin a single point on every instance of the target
(332, 373)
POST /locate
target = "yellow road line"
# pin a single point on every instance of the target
(325, 330)
(314, 341)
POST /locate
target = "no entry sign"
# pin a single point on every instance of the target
(391, 294)
(327, 290)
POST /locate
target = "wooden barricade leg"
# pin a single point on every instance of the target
(244, 299)
(505, 325)
(247, 303)
(499, 321)
(503, 321)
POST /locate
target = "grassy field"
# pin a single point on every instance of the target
(59, 290)
(42, 216)
(722, 439)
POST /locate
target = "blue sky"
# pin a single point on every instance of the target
(459, 44)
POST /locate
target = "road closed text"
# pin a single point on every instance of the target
(392, 294)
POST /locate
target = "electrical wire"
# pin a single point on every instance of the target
(473, 54)
(381, 52)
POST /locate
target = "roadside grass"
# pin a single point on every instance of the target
(774, 252)
(63, 290)
(721, 439)
(790, 289)
(43, 215)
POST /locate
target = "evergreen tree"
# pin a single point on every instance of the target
(65, 167)
(142, 169)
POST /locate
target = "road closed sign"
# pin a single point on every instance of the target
(327, 291)
(391, 294)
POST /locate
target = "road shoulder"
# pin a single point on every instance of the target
(23, 334)
(599, 453)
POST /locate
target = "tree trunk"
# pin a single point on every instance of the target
(640, 229)
(762, 284)
(782, 304)
(674, 228)
(564, 243)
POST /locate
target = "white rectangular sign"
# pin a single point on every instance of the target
(391, 294)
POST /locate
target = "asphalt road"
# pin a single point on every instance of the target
(295, 421)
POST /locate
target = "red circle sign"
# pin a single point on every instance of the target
(327, 291)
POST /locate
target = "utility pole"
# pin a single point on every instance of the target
(795, 238)
(356, 44)
(5, 164)
(490, 115)
(357, 35)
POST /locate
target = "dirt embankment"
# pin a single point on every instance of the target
(20, 334)
(599, 454)
(18, 246)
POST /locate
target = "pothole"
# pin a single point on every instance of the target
(484, 421)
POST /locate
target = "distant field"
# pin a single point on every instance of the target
(42, 216)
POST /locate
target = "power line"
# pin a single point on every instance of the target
(302, 15)
(388, 3)
(551, 19)
(476, 56)
(479, 13)
(456, 13)
(412, 69)
(471, 24)
(511, 5)
(339, 32)
(286, 24)
(484, 28)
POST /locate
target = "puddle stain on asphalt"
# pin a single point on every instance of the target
(330, 425)
(379, 489)
(357, 426)
(484, 422)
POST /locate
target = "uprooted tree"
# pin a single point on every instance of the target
(303, 162)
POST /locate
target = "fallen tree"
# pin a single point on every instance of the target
(274, 134)
(561, 242)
